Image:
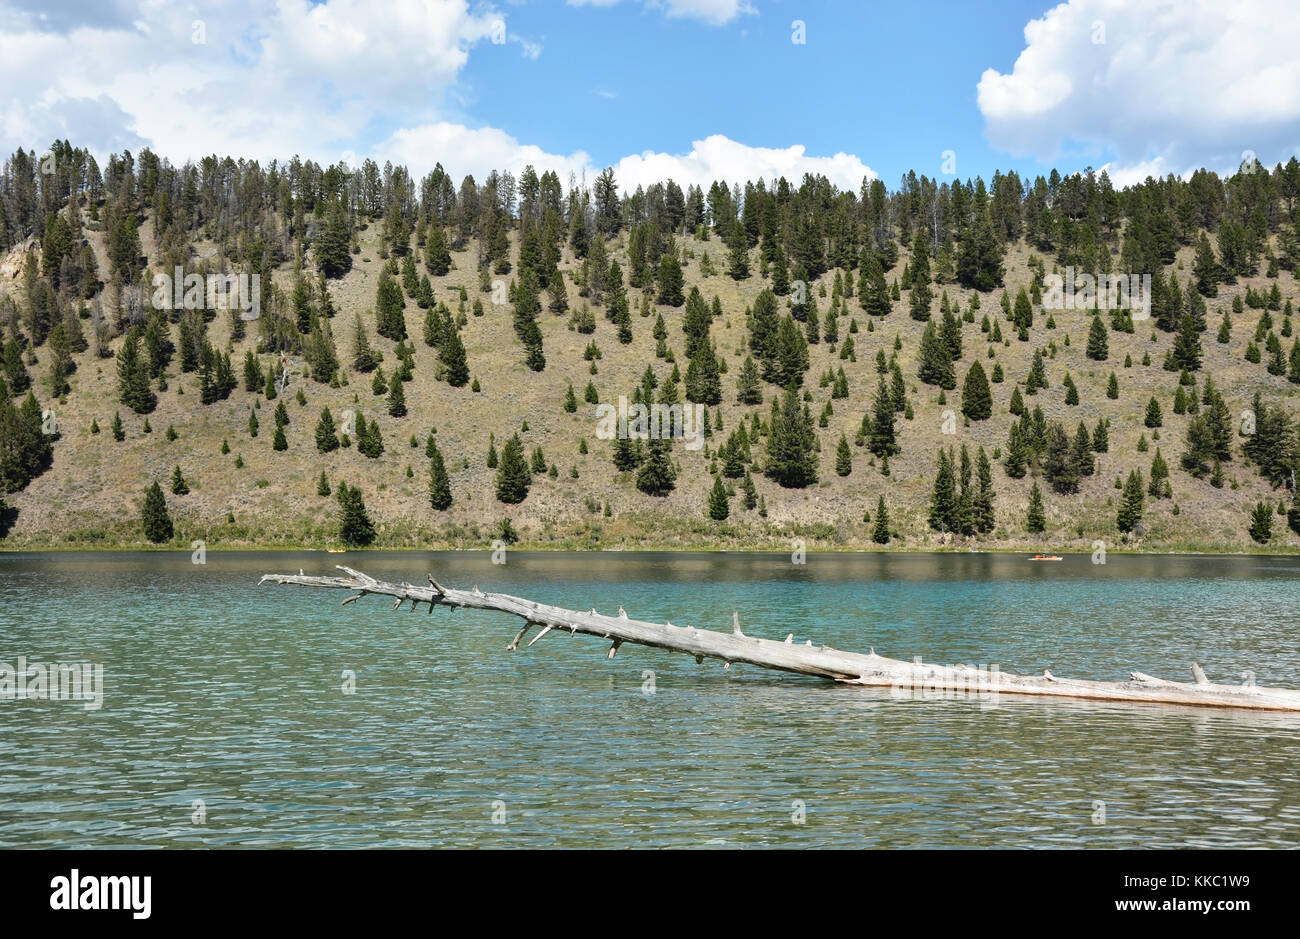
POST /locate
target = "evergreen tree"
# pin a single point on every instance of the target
(327, 439)
(982, 510)
(670, 280)
(1059, 464)
(133, 376)
(719, 505)
(279, 442)
(355, 527)
(331, 247)
(1132, 503)
(119, 434)
(976, 396)
(513, 476)
(1261, 523)
(791, 443)
(439, 485)
(748, 387)
(1098, 343)
(880, 533)
(452, 358)
(1036, 518)
(396, 397)
(738, 253)
(1017, 458)
(1154, 418)
(944, 509)
(179, 486)
(153, 514)
(656, 476)
(843, 457)
(936, 360)
(883, 442)
(1206, 268)
(323, 485)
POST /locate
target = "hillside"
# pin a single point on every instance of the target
(91, 493)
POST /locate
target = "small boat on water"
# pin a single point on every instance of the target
(337, 550)
(1047, 557)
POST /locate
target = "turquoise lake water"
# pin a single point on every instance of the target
(219, 691)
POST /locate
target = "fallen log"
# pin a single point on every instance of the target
(905, 679)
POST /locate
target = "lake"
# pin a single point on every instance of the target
(242, 716)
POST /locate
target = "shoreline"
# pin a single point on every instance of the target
(646, 548)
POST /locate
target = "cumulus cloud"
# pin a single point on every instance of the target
(274, 78)
(463, 150)
(1163, 85)
(713, 12)
(259, 78)
(718, 157)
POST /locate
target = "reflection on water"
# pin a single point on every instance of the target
(220, 691)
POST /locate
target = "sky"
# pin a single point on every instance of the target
(693, 90)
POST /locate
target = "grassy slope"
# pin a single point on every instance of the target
(92, 493)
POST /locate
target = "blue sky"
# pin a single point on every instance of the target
(693, 89)
(856, 85)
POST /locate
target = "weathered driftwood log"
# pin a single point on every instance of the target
(910, 679)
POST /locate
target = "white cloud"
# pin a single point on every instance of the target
(275, 78)
(1172, 84)
(270, 78)
(718, 157)
(713, 12)
(464, 150)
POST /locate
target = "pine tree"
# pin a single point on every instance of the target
(883, 442)
(452, 357)
(1206, 268)
(719, 505)
(133, 376)
(982, 510)
(331, 247)
(976, 396)
(119, 433)
(439, 485)
(1036, 519)
(1017, 458)
(944, 515)
(153, 514)
(1154, 418)
(791, 443)
(279, 442)
(396, 397)
(179, 486)
(843, 457)
(1059, 464)
(1261, 523)
(1112, 387)
(1098, 342)
(1132, 503)
(327, 439)
(323, 485)
(513, 476)
(670, 280)
(748, 387)
(355, 527)
(656, 476)
(936, 360)
(880, 533)
(738, 253)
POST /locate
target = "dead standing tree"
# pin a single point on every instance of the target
(806, 659)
